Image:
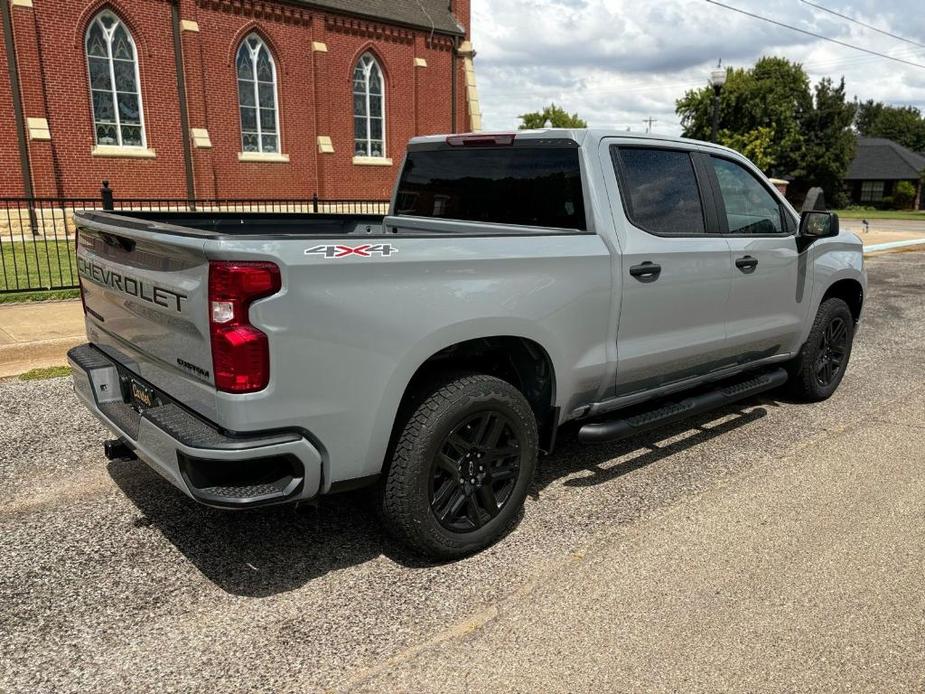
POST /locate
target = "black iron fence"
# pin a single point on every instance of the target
(37, 249)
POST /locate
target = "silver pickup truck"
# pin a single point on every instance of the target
(520, 281)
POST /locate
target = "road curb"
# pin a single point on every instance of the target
(20, 357)
(892, 245)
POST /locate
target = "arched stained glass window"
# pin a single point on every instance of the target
(368, 108)
(112, 62)
(257, 96)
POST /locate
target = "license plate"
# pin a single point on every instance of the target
(142, 396)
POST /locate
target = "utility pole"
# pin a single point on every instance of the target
(649, 121)
(717, 80)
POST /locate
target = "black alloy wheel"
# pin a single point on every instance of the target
(474, 471)
(833, 348)
(462, 463)
(820, 365)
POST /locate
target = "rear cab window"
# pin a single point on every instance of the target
(659, 190)
(523, 184)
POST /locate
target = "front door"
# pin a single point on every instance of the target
(676, 268)
(770, 281)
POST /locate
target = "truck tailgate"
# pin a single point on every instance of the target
(146, 295)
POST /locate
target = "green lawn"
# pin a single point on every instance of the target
(880, 214)
(33, 267)
(45, 373)
(44, 295)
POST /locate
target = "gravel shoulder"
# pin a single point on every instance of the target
(110, 580)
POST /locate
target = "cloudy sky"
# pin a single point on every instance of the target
(618, 62)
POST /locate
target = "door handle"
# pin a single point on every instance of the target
(747, 263)
(646, 272)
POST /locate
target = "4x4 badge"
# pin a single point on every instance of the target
(365, 251)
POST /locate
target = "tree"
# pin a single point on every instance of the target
(829, 144)
(756, 144)
(556, 116)
(773, 95)
(770, 114)
(902, 124)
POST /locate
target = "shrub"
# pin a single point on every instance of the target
(903, 195)
(840, 200)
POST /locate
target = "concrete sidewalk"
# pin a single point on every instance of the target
(38, 334)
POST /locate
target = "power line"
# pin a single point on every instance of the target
(864, 24)
(853, 60)
(814, 34)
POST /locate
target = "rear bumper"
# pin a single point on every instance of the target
(213, 467)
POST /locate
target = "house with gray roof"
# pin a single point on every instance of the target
(879, 165)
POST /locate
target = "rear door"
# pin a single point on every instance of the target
(769, 278)
(675, 263)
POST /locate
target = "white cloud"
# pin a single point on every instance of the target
(618, 62)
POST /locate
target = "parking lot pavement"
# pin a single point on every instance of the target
(803, 576)
(772, 546)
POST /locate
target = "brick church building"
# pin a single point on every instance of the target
(258, 99)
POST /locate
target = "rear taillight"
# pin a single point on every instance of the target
(240, 352)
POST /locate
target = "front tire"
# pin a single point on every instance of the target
(461, 467)
(818, 370)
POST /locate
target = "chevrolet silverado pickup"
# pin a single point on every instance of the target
(518, 282)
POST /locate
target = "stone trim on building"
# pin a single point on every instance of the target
(325, 146)
(38, 129)
(200, 137)
(472, 90)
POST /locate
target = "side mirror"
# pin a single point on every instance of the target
(818, 225)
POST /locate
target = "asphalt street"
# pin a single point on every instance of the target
(771, 547)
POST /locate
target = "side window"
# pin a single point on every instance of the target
(257, 96)
(660, 193)
(368, 108)
(871, 191)
(114, 83)
(750, 208)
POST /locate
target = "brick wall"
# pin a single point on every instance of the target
(315, 98)
(54, 72)
(10, 178)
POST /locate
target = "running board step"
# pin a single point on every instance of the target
(614, 429)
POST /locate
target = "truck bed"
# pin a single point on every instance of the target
(262, 224)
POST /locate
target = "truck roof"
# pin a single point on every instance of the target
(579, 135)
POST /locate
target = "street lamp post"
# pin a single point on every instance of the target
(717, 80)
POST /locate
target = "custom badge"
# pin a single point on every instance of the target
(367, 250)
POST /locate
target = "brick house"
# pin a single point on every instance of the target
(227, 98)
(879, 164)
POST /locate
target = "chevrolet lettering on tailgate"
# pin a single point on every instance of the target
(113, 279)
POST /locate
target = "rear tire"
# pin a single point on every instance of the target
(461, 467)
(819, 368)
